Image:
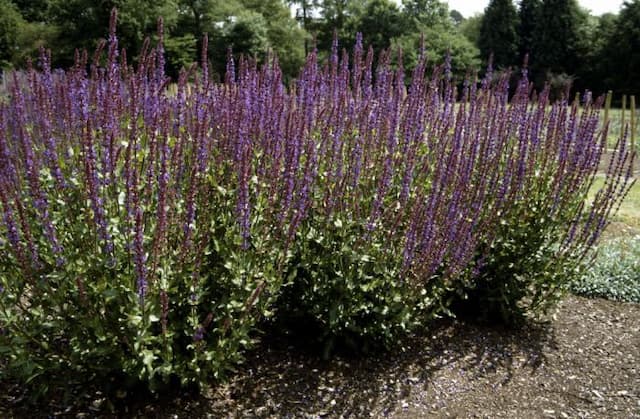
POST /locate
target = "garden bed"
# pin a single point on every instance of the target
(583, 362)
(147, 235)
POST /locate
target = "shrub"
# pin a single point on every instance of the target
(614, 273)
(391, 220)
(145, 229)
(137, 243)
(346, 293)
(540, 225)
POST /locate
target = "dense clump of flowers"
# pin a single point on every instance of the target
(538, 227)
(146, 226)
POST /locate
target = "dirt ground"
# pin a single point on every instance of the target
(606, 159)
(583, 362)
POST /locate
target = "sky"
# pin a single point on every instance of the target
(597, 7)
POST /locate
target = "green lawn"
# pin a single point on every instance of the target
(615, 125)
(615, 272)
(629, 213)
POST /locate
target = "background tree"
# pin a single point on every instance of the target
(284, 37)
(20, 39)
(198, 17)
(335, 13)
(470, 28)
(499, 33)
(586, 64)
(456, 17)
(430, 19)
(380, 22)
(81, 23)
(529, 19)
(10, 20)
(555, 43)
(304, 13)
(438, 43)
(565, 42)
(624, 50)
(338, 16)
(426, 13)
(599, 76)
(31, 10)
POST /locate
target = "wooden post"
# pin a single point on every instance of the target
(632, 107)
(607, 106)
(624, 108)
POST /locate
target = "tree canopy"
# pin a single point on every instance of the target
(623, 48)
(564, 42)
(499, 33)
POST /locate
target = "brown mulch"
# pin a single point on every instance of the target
(583, 362)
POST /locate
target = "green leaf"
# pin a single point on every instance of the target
(147, 359)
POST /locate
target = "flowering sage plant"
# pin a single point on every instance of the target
(146, 226)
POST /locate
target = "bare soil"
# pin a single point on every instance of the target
(582, 362)
(606, 160)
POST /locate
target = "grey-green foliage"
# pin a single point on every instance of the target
(343, 292)
(615, 272)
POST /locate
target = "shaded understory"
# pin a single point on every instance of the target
(583, 362)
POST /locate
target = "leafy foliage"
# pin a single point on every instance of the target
(425, 13)
(146, 228)
(528, 21)
(137, 18)
(564, 41)
(541, 232)
(470, 28)
(556, 39)
(623, 48)
(9, 20)
(345, 293)
(380, 22)
(127, 257)
(439, 43)
(499, 33)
